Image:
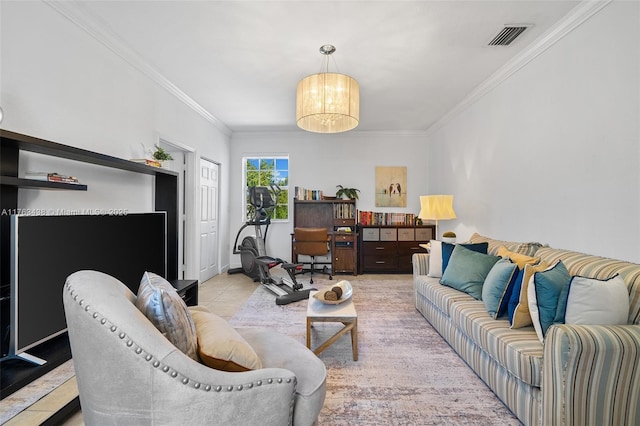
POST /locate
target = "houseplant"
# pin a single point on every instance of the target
(161, 155)
(449, 237)
(350, 193)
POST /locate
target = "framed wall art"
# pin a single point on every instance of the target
(391, 186)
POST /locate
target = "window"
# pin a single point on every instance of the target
(263, 171)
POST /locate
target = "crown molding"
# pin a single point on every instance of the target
(73, 12)
(352, 134)
(578, 15)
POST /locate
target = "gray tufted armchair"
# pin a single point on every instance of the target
(128, 373)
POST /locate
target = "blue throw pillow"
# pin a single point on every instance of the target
(514, 297)
(447, 249)
(548, 288)
(467, 270)
(497, 285)
(561, 309)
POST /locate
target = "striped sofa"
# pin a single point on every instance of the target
(581, 375)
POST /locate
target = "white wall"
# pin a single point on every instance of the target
(552, 154)
(319, 161)
(59, 83)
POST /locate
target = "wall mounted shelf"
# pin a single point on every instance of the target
(40, 184)
(16, 374)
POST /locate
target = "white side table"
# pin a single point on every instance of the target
(344, 313)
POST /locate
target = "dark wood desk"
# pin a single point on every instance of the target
(343, 253)
(335, 215)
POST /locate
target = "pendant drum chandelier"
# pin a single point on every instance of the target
(328, 102)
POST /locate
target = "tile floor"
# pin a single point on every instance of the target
(224, 294)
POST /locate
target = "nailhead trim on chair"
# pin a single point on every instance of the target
(157, 363)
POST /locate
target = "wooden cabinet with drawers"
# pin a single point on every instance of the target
(389, 248)
(344, 253)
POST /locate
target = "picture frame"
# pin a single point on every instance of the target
(391, 186)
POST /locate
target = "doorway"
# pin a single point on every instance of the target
(209, 193)
(183, 164)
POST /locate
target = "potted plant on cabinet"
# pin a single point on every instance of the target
(161, 155)
(449, 237)
(347, 193)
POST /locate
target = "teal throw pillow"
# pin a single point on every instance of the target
(544, 296)
(447, 249)
(497, 285)
(467, 270)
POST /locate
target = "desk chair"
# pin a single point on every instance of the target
(312, 242)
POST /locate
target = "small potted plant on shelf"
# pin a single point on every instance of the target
(449, 237)
(161, 155)
(347, 193)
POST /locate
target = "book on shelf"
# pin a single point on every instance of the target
(385, 218)
(307, 194)
(344, 211)
(51, 177)
(147, 161)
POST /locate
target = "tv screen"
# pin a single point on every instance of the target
(47, 249)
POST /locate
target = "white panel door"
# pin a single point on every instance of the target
(208, 220)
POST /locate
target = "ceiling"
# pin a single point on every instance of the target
(240, 61)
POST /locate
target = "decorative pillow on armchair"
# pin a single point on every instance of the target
(220, 346)
(162, 305)
(467, 270)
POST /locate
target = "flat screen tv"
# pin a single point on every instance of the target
(47, 249)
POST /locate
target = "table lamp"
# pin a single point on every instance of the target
(436, 207)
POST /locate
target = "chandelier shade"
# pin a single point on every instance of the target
(328, 102)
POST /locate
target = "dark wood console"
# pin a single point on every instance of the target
(389, 248)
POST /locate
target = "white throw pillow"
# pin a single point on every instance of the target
(595, 302)
(435, 259)
(533, 307)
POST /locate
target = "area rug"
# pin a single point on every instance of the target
(406, 374)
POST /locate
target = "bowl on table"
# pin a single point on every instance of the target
(347, 292)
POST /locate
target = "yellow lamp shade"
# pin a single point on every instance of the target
(436, 207)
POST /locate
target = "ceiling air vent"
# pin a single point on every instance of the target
(507, 35)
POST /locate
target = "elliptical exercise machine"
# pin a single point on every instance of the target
(253, 255)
